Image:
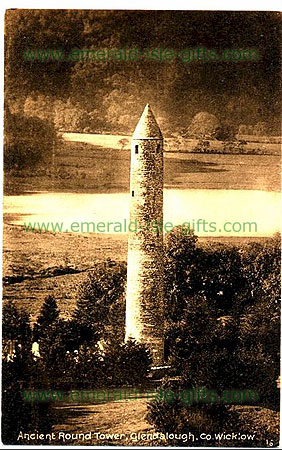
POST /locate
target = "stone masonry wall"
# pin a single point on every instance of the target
(144, 302)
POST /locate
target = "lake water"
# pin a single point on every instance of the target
(214, 206)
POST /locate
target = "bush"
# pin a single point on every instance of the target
(67, 348)
(203, 146)
(173, 416)
(126, 364)
(71, 364)
(213, 273)
(18, 414)
(224, 132)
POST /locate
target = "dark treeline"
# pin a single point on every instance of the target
(112, 94)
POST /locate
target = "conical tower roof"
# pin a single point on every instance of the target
(147, 127)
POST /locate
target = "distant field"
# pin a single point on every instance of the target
(100, 140)
(35, 257)
(266, 139)
(81, 167)
(269, 144)
(190, 146)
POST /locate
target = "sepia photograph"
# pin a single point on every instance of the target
(141, 228)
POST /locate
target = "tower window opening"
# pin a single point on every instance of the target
(158, 148)
(132, 193)
(136, 149)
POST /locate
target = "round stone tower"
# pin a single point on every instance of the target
(144, 296)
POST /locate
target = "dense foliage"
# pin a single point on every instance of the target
(28, 141)
(222, 332)
(19, 372)
(112, 93)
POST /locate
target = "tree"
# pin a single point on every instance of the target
(49, 313)
(31, 30)
(224, 132)
(16, 332)
(126, 363)
(242, 129)
(70, 117)
(19, 374)
(97, 297)
(40, 106)
(57, 343)
(123, 143)
(180, 247)
(28, 141)
(203, 125)
(261, 129)
(259, 330)
(58, 340)
(119, 118)
(226, 335)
